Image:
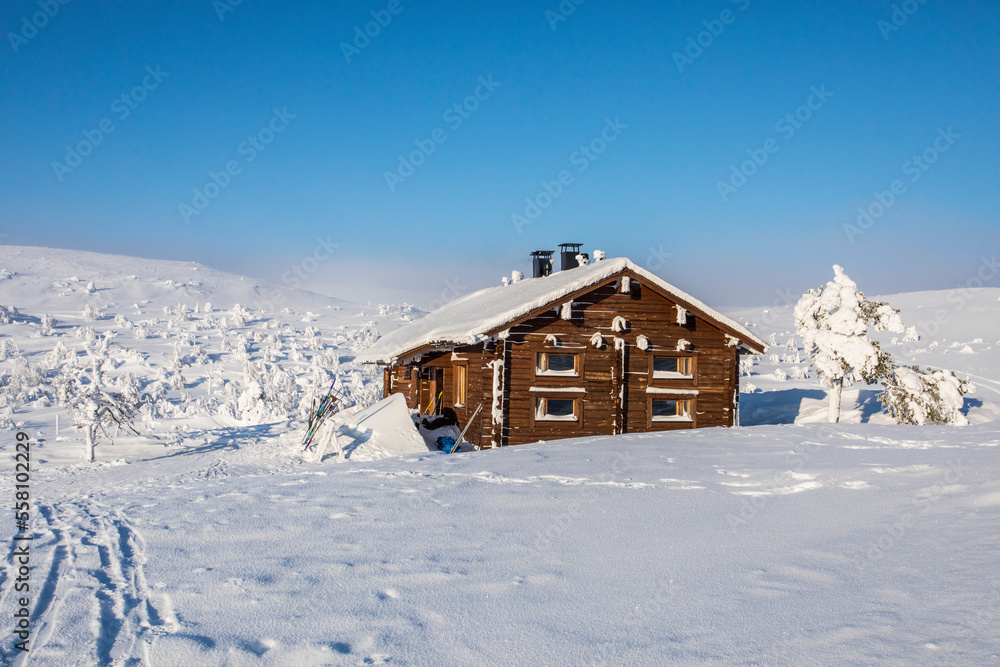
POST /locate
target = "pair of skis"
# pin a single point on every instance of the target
(330, 404)
(461, 437)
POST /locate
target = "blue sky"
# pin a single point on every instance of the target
(271, 81)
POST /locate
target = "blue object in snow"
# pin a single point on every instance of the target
(447, 444)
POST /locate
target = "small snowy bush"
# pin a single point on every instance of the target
(48, 324)
(916, 396)
(7, 314)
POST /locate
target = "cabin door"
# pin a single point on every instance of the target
(431, 386)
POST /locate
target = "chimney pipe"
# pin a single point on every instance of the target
(568, 253)
(541, 263)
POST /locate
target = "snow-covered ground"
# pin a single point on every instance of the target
(210, 539)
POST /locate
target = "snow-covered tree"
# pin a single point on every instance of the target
(100, 408)
(48, 324)
(918, 396)
(7, 314)
(833, 323)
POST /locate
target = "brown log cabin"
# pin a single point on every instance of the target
(596, 349)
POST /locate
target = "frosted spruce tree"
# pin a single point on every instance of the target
(918, 396)
(96, 405)
(833, 323)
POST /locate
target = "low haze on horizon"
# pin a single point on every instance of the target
(418, 150)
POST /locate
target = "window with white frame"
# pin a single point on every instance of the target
(672, 367)
(557, 364)
(670, 409)
(557, 409)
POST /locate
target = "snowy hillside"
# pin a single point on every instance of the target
(205, 349)
(210, 539)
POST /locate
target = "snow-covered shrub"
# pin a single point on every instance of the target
(48, 324)
(911, 335)
(780, 374)
(141, 333)
(8, 349)
(57, 354)
(746, 364)
(790, 344)
(917, 396)
(7, 314)
(748, 388)
(774, 359)
(239, 316)
(91, 313)
(833, 323)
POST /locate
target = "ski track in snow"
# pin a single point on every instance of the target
(89, 570)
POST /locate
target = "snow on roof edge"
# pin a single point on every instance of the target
(460, 322)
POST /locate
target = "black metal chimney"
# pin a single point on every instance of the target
(568, 253)
(541, 263)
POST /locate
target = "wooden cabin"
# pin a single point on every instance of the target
(599, 349)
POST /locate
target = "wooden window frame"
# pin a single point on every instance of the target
(460, 379)
(690, 357)
(691, 405)
(558, 396)
(544, 354)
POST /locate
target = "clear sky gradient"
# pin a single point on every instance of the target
(681, 92)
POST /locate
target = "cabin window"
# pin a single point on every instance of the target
(547, 363)
(670, 410)
(461, 385)
(672, 367)
(557, 409)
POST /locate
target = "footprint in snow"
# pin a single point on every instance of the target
(261, 646)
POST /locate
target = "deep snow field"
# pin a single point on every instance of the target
(210, 539)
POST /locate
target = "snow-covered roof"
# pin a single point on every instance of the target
(475, 317)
